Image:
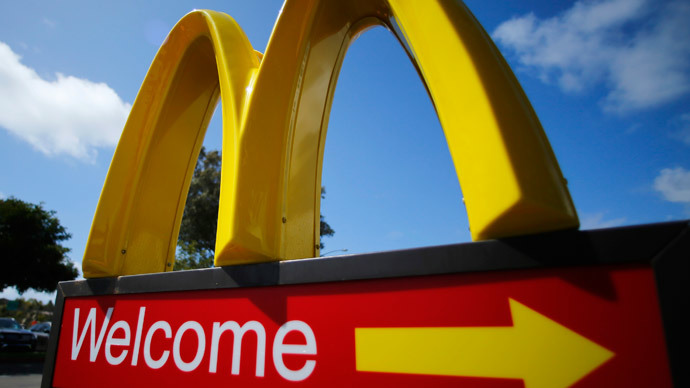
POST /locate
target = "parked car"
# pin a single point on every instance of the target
(42, 332)
(13, 336)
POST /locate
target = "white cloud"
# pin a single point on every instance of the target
(674, 184)
(637, 49)
(597, 221)
(11, 293)
(68, 116)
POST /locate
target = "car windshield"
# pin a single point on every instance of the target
(40, 327)
(7, 324)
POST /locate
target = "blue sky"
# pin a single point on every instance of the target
(609, 80)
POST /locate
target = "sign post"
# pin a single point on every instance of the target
(532, 303)
(562, 309)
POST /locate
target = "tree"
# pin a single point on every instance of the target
(197, 239)
(325, 230)
(30, 249)
(27, 311)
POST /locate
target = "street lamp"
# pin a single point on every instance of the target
(335, 250)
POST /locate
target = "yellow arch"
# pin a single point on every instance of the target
(138, 216)
(274, 125)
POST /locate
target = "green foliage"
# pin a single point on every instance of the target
(30, 251)
(197, 239)
(25, 312)
(200, 218)
(191, 256)
(325, 230)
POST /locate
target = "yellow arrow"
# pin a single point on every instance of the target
(535, 349)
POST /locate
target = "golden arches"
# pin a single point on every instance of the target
(275, 116)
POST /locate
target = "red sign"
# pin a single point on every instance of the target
(585, 327)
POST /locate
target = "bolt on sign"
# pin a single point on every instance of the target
(533, 302)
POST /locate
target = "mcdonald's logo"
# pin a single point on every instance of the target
(275, 116)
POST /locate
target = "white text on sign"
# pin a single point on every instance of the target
(119, 336)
